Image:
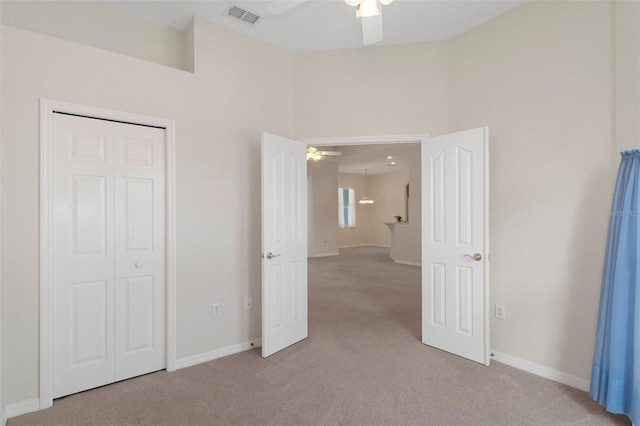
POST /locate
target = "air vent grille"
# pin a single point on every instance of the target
(242, 15)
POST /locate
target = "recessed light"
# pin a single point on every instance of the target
(389, 157)
(393, 163)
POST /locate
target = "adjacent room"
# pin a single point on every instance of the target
(170, 256)
(378, 189)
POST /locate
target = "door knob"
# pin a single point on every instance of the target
(271, 255)
(477, 257)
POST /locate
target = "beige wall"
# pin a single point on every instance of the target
(323, 208)
(627, 36)
(242, 88)
(407, 239)
(388, 192)
(93, 24)
(541, 77)
(373, 91)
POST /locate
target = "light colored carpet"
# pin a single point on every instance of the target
(363, 364)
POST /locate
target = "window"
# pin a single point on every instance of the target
(346, 208)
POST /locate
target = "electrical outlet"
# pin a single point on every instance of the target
(248, 303)
(501, 312)
(215, 310)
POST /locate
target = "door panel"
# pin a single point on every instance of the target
(89, 322)
(436, 205)
(87, 146)
(139, 313)
(83, 255)
(139, 250)
(89, 210)
(455, 285)
(438, 297)
(284, 235)
(138, 214)
(464, 300)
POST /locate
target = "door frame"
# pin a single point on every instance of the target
(417, 138)
(365, 140)
(47, 109)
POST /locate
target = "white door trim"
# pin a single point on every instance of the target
(47, 108)
(365, 140)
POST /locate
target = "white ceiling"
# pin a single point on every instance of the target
(326, 24)
(356, 158)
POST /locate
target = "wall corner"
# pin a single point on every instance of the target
(190, 47)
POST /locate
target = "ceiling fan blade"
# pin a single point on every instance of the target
(278, 7)
(371, 29)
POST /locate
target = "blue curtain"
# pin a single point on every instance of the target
(615, 376)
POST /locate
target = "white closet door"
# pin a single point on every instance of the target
(139, 250)
(108, 243)
(83, 255)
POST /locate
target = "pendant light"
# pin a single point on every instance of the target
(366, 199)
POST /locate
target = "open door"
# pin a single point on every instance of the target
(284, 243)
(455, 244)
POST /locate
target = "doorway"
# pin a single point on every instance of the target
(359, 262)
(454, 239)
(373, 193)
(108, 226)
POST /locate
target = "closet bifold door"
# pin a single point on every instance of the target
(139, 250)
(108, 252)
(83, 255)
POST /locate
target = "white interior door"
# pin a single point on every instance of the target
(108, 252)
(455, 244)
(284, 243)
(83, 255)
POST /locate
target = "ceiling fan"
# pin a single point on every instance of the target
(367, 11)
(315, 154)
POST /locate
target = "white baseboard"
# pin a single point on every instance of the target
(326, 254)
(542, 371)
(20, 408)
(402, 262)
(365, 245)
(218, 353)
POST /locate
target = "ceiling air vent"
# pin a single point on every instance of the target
(242, 15)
